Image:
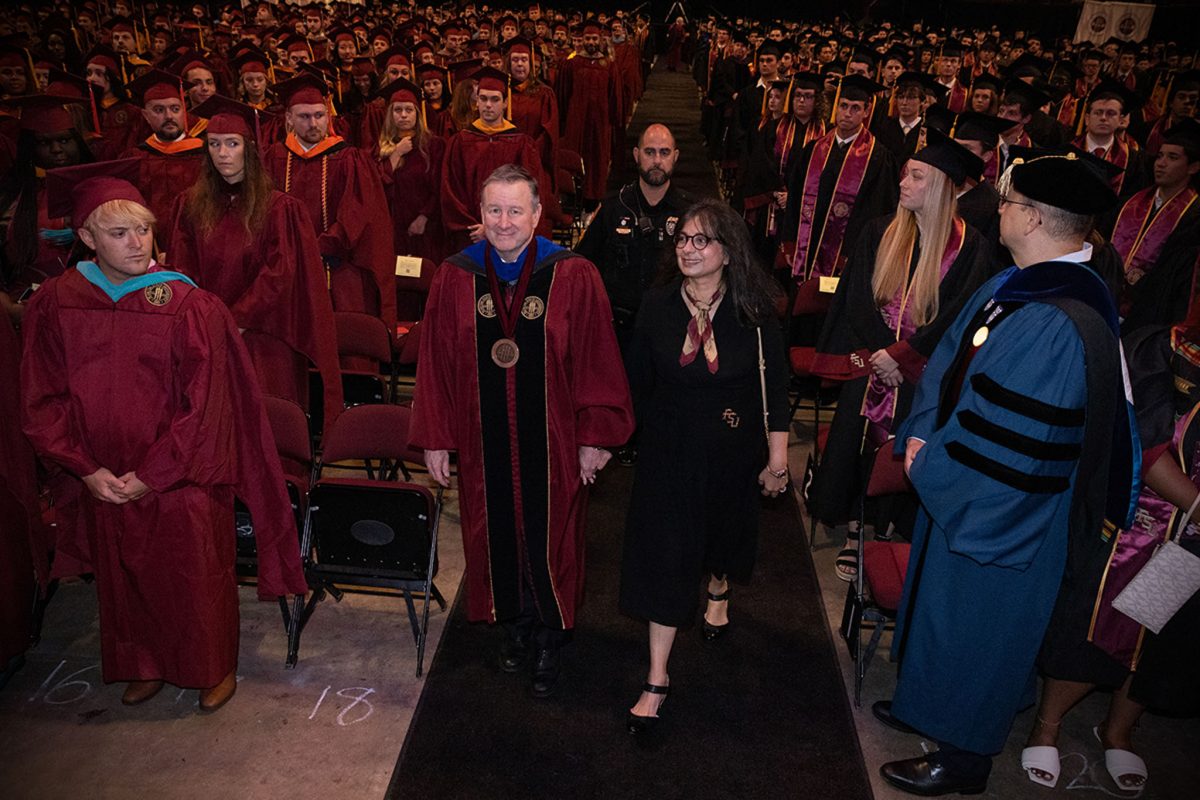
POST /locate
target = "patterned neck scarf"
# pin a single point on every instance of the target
(699, 331)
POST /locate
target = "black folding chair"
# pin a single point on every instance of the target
(371, 536)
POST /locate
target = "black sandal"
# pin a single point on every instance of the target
(845, 566)
(712, 632)
(638, 724)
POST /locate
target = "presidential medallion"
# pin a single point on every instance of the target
(486, 306)
(158, 295)
(532, 308)
(505, 353)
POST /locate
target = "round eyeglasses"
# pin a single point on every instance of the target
(699, 240)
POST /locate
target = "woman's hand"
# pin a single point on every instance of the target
(417, 228)
(886, 368)
(772, 485)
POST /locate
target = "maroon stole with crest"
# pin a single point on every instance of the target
(826, 236)
(1139, 234)
(879, 401)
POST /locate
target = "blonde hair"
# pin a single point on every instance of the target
(896, 247)
(113, 213)
(389, 134)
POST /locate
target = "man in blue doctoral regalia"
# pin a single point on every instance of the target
(1020, 442)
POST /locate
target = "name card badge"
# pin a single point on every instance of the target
(828, 285)
(408, 267)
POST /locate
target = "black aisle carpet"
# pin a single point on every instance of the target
(761, 713)
(670, 99)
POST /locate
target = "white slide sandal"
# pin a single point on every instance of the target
(1044, 759)
(1123, 765)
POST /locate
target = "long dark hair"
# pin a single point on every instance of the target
(747, 285)
(206, 202)
(21, 186)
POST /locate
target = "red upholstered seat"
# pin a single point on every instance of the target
(885, 564)
(887, 473)
(801, 360)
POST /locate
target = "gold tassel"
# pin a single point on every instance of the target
(508, 112)
(837, 96)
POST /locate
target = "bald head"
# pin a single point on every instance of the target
(657, 135)
(655, 155)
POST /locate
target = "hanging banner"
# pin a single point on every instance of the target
(1099, 22)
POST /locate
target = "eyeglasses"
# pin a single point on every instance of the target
(1004, 201)
(699, 240)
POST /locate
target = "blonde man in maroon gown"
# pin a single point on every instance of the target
(138, 383)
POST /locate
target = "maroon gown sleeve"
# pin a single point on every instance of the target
(603, 409)
(362, 231)
(221, 436)
(434, 402)
(48, 415)
(289, 299)
(459, 210)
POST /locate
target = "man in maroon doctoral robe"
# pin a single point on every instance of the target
(170, 159)
(519, 372)
(586, 89)
(138, 383)
(343, 194)
(474, 153)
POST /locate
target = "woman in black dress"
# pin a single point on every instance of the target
(694, 370)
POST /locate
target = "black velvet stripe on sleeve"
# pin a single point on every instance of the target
(1030, 407)
(1017, 442)
(1021, 481)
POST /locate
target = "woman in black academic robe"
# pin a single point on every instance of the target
(878, 334)
(703, 455)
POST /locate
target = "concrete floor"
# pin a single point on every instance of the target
(1169, 746)
(334, 726)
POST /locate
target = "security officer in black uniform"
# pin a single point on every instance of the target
(634, 228)
(633, 231)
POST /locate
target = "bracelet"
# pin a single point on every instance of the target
(780, 474)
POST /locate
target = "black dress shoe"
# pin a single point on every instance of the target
(635, 723)
(514, 654)
(708, 630)
(547, 666)
(882, 709)
(931, 775)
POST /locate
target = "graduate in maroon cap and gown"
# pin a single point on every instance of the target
(586, 88)
(341, 191)
(410, 161)
(170, 158)
(37, 246)
(534, 105)
(520, 373)
(254, 247)
(475, 152)
(138, 382)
